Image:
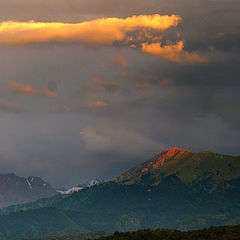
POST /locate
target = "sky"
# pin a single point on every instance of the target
(90, 88)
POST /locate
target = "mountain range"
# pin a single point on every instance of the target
(18, 190)
(175, 189)
(15, 189)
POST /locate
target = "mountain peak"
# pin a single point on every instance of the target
(188, 166)
(166, 155)
(154, 164)
(175, 149)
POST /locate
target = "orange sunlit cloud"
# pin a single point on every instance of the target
(97, 104)
(98, 31)
(103, 31)
(29, 90)
(18, 88)
(119, 60)
(173, 52)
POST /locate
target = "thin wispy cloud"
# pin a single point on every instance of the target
(9, 107)
(107, 85)
(29, 90)
(97, 104)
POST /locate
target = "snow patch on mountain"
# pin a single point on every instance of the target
(90, 183)
(70, 190)
(29, 184)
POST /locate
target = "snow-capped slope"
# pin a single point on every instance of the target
(90, 183)
(70, 190)
(94, 182)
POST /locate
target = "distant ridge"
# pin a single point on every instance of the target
(16, 190)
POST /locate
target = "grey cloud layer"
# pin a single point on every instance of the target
(154, 104)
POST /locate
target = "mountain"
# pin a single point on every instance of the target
(205, 170)
(15, 189)
(176, 189)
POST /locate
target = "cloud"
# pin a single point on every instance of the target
(18, 88)
(144, 85)
(130, 31)
(108, 86)
(9, 107)
(106, 138)
(147, 84)
(47, 93)
(173, 52)
(98, 31)
(165, 82)
(94, 141)
(29, 90)
(97, 104)
(119, 60)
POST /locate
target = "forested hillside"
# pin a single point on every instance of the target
(213, 233)
(178, 190)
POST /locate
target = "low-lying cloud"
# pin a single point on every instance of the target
(101, 138)
(29, 90)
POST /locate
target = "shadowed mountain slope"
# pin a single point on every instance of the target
(16, 190)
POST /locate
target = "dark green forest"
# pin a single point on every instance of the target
(212, 233)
